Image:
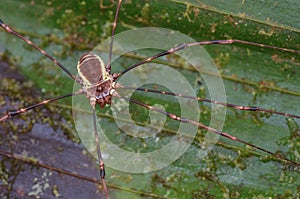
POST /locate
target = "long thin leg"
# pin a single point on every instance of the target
(221, 133)
(101, 162)
(100, 159)
(243, 108)
(11, 31)
(46, 166)
(108, 66)
(13, 113)
(183, 46)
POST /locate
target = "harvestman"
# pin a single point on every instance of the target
(99, 87)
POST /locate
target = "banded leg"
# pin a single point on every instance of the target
(13, 32)
(183, 46)
(100, 159)
(238, 107)
(13, 113)
(202, 126)
(108, 66)
(29, 161)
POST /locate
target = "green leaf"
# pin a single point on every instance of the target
(254, 76)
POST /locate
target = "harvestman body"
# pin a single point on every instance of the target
(98, 84)
(96, 81)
